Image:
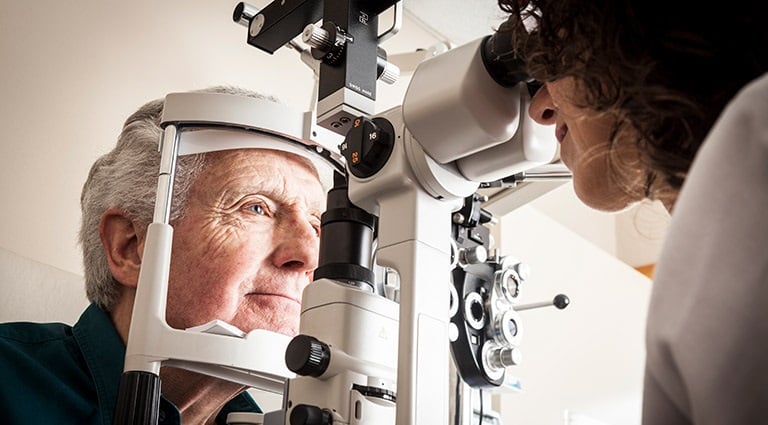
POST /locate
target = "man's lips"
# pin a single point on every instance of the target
(560, 132)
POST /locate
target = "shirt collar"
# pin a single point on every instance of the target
(104, 353)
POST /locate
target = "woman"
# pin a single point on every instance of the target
(669, 101)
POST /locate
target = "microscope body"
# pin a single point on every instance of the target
(392, 176)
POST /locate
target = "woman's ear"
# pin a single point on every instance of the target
(122, 246)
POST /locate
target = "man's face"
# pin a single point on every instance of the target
(247, 244)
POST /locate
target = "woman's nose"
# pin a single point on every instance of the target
(542, 108)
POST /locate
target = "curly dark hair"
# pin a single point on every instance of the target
(668, 68)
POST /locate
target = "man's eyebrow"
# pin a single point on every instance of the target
(234, 193)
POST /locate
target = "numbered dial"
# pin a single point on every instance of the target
(368, 146)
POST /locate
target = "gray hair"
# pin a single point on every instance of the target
(126, 179)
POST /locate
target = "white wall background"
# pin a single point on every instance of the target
(586, 359)
(73, 71)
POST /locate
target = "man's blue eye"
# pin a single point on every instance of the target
(258, 209)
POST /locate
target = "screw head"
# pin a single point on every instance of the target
(257, 23)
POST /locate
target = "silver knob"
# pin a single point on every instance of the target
(505, 357)
(523, 270)
(243, 13)
(316, 37)
(390, 74)
(474, 255)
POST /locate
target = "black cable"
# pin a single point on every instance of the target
(458, 401)
(480, 422)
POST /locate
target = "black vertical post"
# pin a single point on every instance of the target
(138, 399)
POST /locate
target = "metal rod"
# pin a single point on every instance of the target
(560, 301)
(169, 145)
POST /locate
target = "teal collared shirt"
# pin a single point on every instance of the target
(53, 373)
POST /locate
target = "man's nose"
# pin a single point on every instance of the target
(298, 245)
(542, 108)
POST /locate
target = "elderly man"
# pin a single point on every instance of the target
(246, 236)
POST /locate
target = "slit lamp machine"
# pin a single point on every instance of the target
(410, 310)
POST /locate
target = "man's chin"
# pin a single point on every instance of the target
(273, 313)
(281, 326)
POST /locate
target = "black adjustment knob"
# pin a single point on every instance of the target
(307, 356)
(368, 146)
(304, 414)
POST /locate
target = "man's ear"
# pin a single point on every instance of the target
(122, 246)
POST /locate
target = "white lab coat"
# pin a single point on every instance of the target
(707, 335)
